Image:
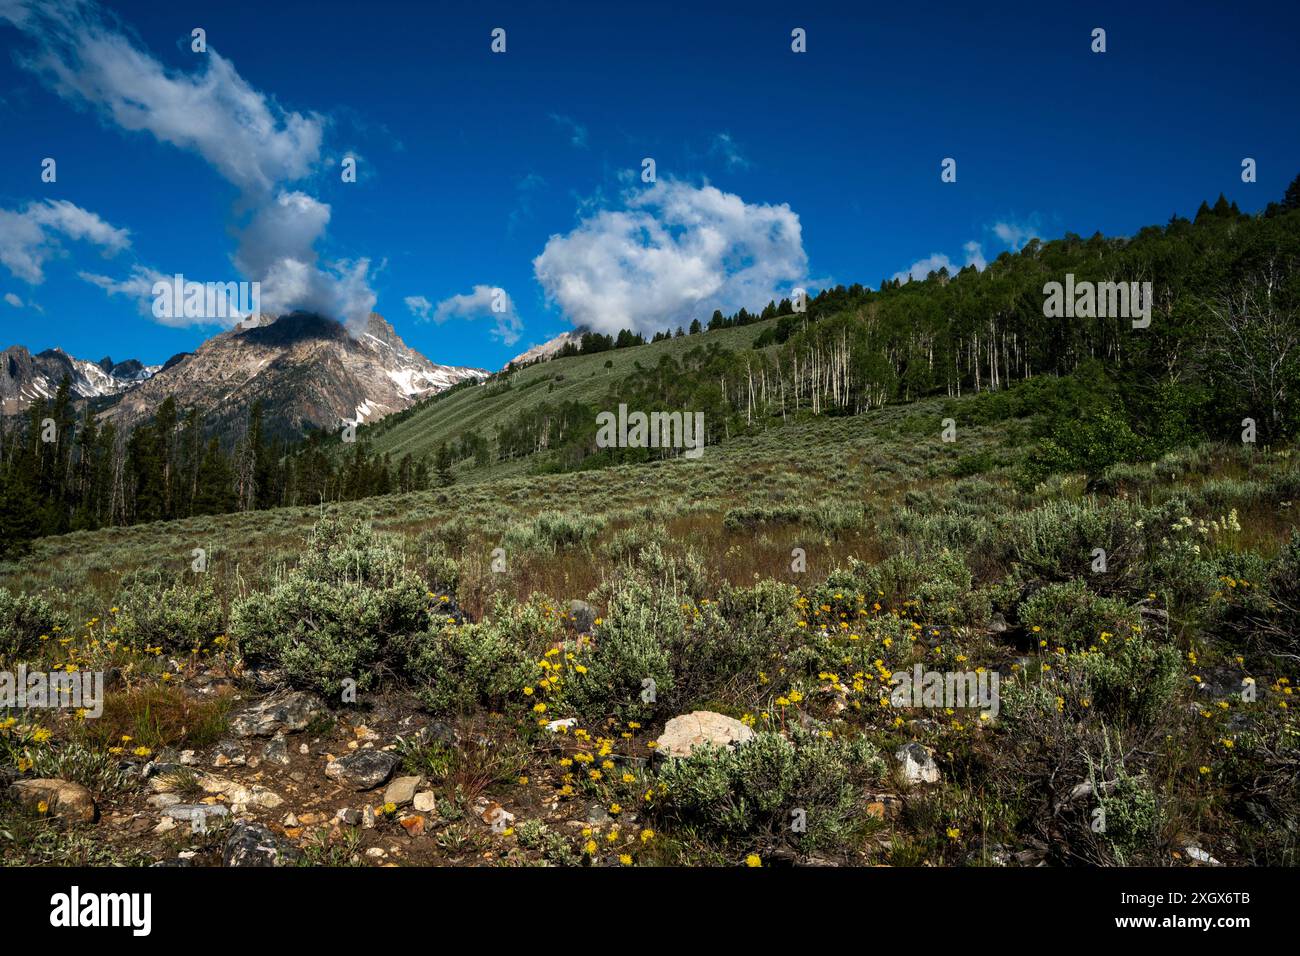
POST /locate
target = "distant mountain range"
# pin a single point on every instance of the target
(25, 377)
(308, 371)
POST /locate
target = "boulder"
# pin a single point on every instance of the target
(277, 751)
(402, 790)
(583, 615)
(251, 844)
(363, 769)
(916, 763)
(700, 728)
(62, 798)
(281, 713)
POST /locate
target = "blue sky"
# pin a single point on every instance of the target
(522, 171)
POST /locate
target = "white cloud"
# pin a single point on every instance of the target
(973, 249)
(484, 301)
(420, 307)
(673, 253)
(13, 300)
(725, 146)
(921, 268)
(137, 286)
(28, 239)
(214, 112)
(247, 137)
(1015, 234)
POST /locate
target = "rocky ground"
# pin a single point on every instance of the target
(297, 784)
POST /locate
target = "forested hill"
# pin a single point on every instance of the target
(1223, 344)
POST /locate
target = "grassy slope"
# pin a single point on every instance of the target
(583, 378)
(869, 462)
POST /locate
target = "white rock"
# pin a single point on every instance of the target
(917, 763)
(701, 728)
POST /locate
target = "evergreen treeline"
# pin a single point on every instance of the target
(59, 474)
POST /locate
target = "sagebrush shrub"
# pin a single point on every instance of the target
(24, 618)
(176, 617)
(1137, 681)
(1072, 614)
(338, 614)
(754, 790)
(457, 667)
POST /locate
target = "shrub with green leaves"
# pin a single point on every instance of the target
(24, 618)
(1135, 680)
(938, 583)
(633, 647)
(755, 790)
(1132, 818)
(460, 666)
(1072, 615)
(441, 570)
(179, 617)
(338, 615)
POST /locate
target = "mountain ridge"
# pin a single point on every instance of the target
(310, 372)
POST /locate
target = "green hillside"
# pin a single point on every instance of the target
(481, 409)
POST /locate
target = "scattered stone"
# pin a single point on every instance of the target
(885, 806)
(402, 790)
(412, 824)
(700, 728)
(252, 844)
(1198, 855)
(189, 758)
(190, 812)
(426, 801)
(161, 801)
(364, 769)
(917, 763)
(228, 753)
(62, 798)
(555, 726)
(497, 816)
(281, 713)
(240, 795)
(376, 853)
(165, 825)
(437, 732)
(348, 816)
(289, 820)
(597, 814)
(584, 616)
(277, 750)
(368, 818)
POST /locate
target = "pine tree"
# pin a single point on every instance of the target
(443, 466)
(1292, 198)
